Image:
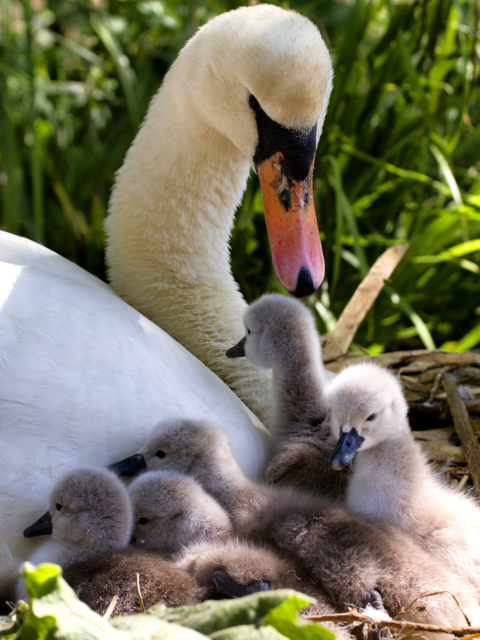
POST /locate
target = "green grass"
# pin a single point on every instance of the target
(398, 159)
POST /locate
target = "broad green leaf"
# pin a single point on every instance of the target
(214, 615)
(285, 619)
(56, 612)
(145, 627)
(247, 632)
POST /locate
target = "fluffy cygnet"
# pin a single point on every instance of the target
(172, 511)
(97, 581)
(349, 555)
(247, 564)
(91, 526)
(392, 479)
(90, 515)
(280, 334)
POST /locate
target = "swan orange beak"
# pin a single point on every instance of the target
(292, 228)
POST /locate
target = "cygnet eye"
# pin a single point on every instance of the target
(142, 520)
(253, 102)
(371, 417)
(58, 506)
(248, 332)
(160, 454)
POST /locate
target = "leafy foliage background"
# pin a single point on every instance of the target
(398, 159)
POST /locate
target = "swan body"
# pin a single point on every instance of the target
(84, 380)
(83, 376)
(280, 334)
(392, 478)
(347, 554)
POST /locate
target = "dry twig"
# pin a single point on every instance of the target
(139, 593)
(111, 607)
(338, 342)
(396, 625)
(464, 429)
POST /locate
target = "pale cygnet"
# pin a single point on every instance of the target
(91, 526)
(392, 478)
(172, 511)
(349, 555)
(90, 515)
(280, 334)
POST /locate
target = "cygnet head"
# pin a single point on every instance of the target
(182, 444)
(367, 406)
(172, 511)
(90, 509)
(277, 328)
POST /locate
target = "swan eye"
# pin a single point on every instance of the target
(371, 417)
(142, 520)
(253, 102)
(58, 506)
(160, 454)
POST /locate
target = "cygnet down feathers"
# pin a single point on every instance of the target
(91, 523)
(391, 478)
(348, 554)
(280, 334)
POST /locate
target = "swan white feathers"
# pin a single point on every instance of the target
(251, 88)
(83, 376)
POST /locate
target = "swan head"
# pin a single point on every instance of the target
(89, 509)
(367, 406)
(172, 511)
(261, 77)
(275, 328)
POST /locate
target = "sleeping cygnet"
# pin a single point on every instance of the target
(280, 334)
(347, 554)
(246, 564)
(172, 511)
(391, 478)
(91, 523)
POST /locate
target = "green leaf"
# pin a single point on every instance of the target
(284, 619)
(141, 627)
(56, 612)
(247, 632)
(213, 615)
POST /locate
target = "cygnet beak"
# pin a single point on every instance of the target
(42, 527)
(130, 467)
(347, 445)
(237, 351)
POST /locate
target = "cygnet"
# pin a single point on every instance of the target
(348, 554)
(392, 478)
(280, 334)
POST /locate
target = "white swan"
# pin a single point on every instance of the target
(83, 376)
(251, 88)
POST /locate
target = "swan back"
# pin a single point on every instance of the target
(172, 511)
